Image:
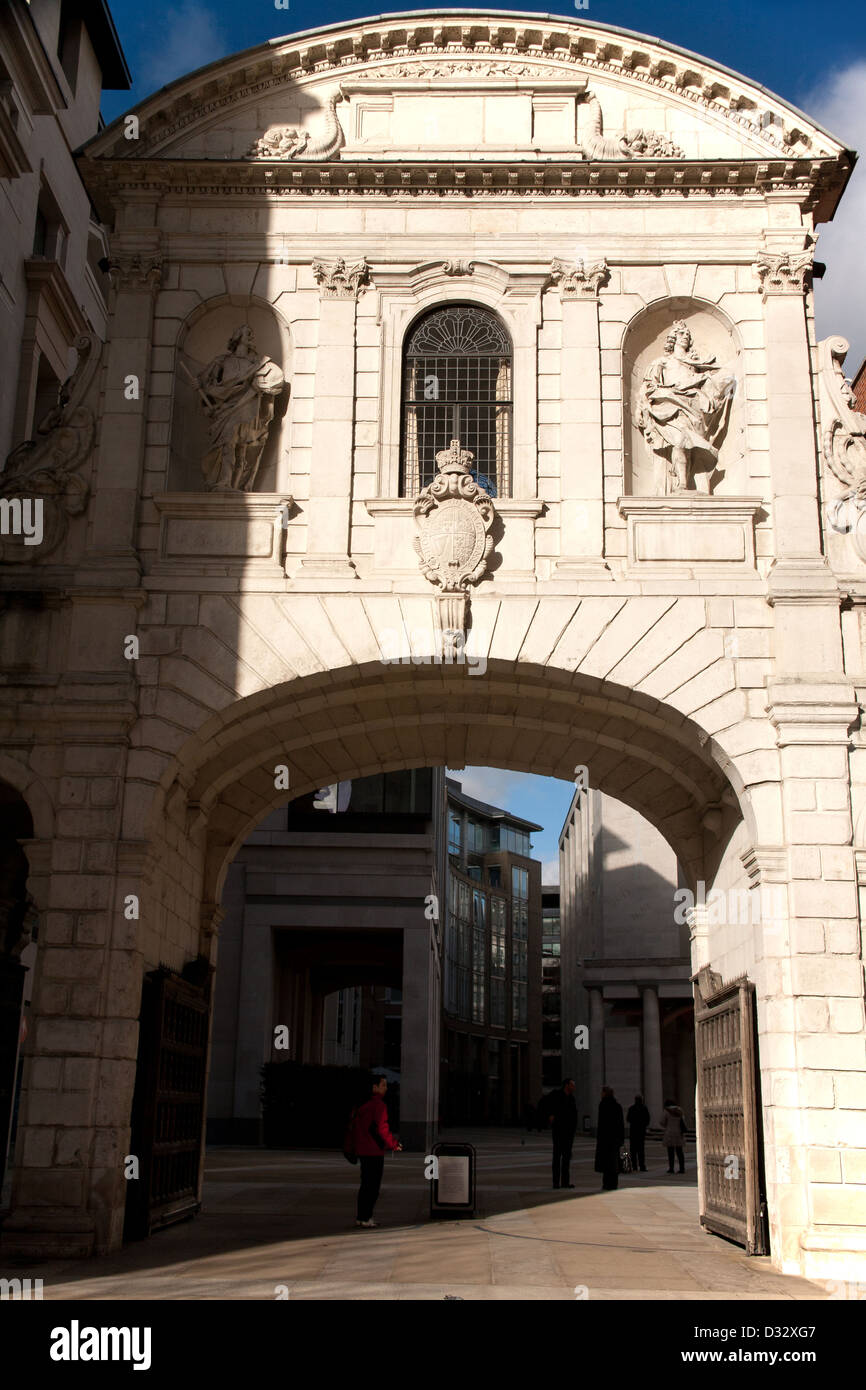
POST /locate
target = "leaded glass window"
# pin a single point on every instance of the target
(457, 385)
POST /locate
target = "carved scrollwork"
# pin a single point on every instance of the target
(43, 470)
(288, 142)
(843, 426)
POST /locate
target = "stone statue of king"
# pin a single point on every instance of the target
(237, 390)
(682, 409)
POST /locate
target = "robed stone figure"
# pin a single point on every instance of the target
(237, 390)
(682, 410)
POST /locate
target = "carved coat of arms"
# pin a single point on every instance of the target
(454, 516)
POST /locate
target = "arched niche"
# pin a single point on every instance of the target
(204, 336)
(713, 335)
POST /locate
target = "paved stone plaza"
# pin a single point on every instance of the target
(286, 1218)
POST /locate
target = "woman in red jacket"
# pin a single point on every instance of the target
(372, 1139)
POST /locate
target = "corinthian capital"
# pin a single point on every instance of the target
(578, 279)
(135, 272)
(336, 280)
(783, 272)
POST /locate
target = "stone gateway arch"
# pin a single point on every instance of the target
(472, 331)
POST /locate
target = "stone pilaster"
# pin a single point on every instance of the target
(330, 503)
(581, 452)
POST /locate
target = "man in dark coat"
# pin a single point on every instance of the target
(562, 1108)
(638, 1123)
(610, 1133)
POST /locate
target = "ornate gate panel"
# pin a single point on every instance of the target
(729, 1117)
(168, 1106)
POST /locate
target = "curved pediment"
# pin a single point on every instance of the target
(459, 85)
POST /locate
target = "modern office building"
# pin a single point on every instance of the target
(625, 960)
(491, 1035)
(328, 931)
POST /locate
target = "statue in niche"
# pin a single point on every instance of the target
(237, 390)
(683, 407)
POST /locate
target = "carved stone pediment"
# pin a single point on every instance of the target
(41, 475)
(454, 516)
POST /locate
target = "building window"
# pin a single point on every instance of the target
(49, 229)
(457, 385)
(455, 833)
(69, 42)
(495, 875)
(519, 883)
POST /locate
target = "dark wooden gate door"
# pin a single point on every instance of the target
(731, 1151)
(168, 1106)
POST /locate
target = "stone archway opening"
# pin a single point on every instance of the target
(380, 720)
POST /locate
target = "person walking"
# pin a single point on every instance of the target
(373, 1139)
(673, 1129)
(609, 1136)
(638, 1118)
(562, 1109)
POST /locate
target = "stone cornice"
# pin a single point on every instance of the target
(111, 183)
(555, 48)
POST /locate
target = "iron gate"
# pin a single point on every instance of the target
(168, 1106)
(731, 1152)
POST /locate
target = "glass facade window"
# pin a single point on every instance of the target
(519, 882)
(497, 1002)
(494, 874)
(475, 837)
(455, 833)
(519, 1005)
(515, 840)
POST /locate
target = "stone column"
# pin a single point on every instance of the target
(581, 452)
(136, 274)
(329, 510)
(652, 1052)
(596, 1049)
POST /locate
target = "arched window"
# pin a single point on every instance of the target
(457, 385)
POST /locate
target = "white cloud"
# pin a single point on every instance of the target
(550, 872)
(495, 785)
(186, 38)
(839, 104)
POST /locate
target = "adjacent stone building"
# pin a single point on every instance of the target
(625, 973)
(461, 405)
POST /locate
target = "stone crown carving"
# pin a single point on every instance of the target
(337, 280)
(45, 469)
(454, 516)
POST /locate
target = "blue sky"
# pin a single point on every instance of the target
(789, 47)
